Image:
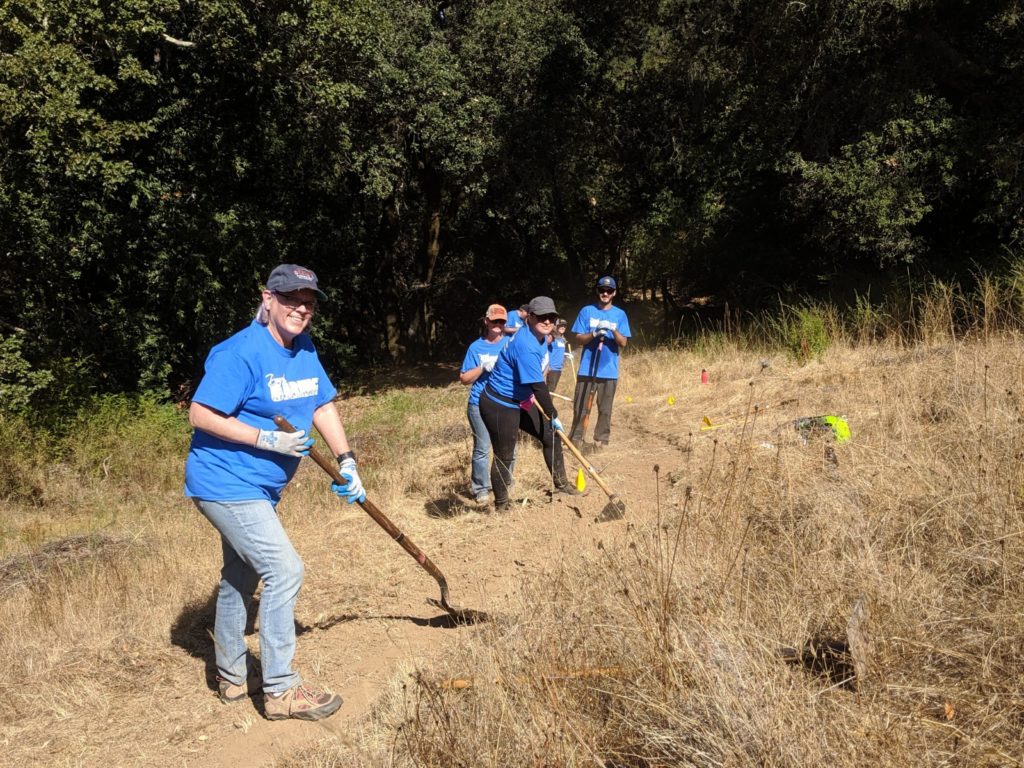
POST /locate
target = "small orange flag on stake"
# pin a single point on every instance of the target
(581, 482)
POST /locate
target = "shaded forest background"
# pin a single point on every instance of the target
(159, 157)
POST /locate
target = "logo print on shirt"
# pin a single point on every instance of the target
(282, 389)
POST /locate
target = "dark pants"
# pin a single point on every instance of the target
(552, 380)
(503, 425)
(604, 394)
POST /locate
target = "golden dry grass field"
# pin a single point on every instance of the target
(768, 600)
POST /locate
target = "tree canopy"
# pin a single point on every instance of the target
(158, 158)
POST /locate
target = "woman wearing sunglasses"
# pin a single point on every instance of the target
(238, 465)
(480, 358)
(507, 402)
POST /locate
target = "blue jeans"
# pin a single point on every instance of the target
(480, 475)
(255, 547)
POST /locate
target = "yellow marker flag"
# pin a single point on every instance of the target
(581, 482)
(671, 400)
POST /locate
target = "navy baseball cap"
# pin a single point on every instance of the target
(291, 277)
(607, 282)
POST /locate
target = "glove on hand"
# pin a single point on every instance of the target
(288, 443)
(603, 334)
(352, 491)
(488, 363)
(556, 425)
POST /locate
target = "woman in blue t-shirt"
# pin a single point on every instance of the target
(238, 464)
(480, 358)
(507, 402)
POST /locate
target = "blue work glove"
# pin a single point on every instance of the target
(288, 443)
(351, 491)
(557, 425)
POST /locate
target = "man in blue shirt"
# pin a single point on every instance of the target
(602, 331)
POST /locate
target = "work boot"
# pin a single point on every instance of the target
(502, 506)
(567, 489)
(301, 702)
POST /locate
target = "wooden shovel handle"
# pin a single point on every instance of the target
(331, 468)
(576, 452)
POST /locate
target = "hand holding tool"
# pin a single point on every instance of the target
(288, 443)
(352, 491)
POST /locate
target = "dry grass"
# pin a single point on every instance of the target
(712, 630)
(717, 631)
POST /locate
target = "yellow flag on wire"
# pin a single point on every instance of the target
(581, 481)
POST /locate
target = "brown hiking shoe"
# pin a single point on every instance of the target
(302, 702)
(567, 489)
(230, 693)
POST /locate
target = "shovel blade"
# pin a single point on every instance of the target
(460, 615)
(615, 509)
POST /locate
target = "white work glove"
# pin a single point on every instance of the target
(488, 365)
(289, 443)
(352, 491)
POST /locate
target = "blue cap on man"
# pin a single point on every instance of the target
(607, 282)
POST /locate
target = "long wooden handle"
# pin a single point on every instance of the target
(331, 468)
(576, 452)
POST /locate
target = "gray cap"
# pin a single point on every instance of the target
(291, 277)
(541, 305)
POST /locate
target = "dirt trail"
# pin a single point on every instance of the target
(484, 560)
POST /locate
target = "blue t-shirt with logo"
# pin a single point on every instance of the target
(520, 365)
(589, 320)
(482, 352)
(557, 347)
(253, 378)
(514, 322)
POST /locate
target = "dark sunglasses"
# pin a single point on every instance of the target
(294, 300)
(547, 318)
(499, 321)
(606, 290)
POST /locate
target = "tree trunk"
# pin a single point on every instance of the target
(563, 230)
(433, 188)
(389, 306)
